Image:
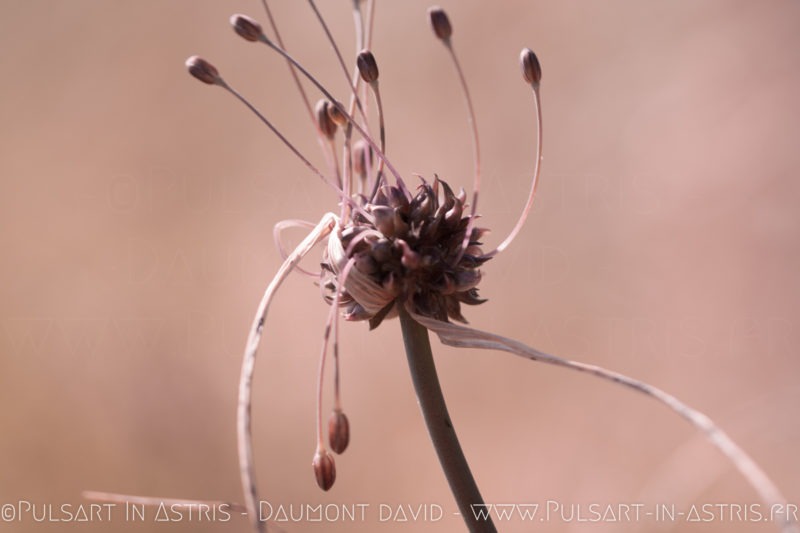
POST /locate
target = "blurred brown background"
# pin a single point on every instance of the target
(136, 209)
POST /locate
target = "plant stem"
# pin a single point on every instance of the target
(440, 428)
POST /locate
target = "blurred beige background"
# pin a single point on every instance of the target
(136, 209)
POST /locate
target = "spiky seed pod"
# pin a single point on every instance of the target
(531, 70)
(411, 252)
(326, 125)
(203, 70)
(338, 431)
(247, 28)
(324, 469)
(440, 23)
(367, 66)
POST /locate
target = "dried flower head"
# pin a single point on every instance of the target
(409, 251)
(391, 250)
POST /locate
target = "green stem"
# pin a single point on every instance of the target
(440, 428)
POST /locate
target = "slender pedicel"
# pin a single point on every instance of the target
(368, 68)
(328, 127)
(244, 20)
(335, 47)
(440, 23)
(532, 74)
(207, 73)
(330, 155)
(322, 460)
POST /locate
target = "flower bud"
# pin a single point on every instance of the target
(336, 115)
(326, 125)
(531, 70)
(324, 469)
(440, 23)
(361, 151)
(338, 431)
(367, 66)
(202, 70)
(247, 28)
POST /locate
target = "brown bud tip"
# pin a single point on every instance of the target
(326, 125)
(367, 66)
(531, 70)
(440, 23)
(324, 469)
(202, 70)
(246, 28)
(361, 151)
(338, 431)
(336, 115)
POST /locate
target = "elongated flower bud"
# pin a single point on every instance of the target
(531, 70)
(440, 23)
(367, 66)
(203, 70)
(336, 115)
(324, 469)
(326, 125)
(338, 431)
(247, 28)
(361, 151)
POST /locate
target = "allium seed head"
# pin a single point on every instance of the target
(410, 251)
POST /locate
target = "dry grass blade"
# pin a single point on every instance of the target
(244, 436)
(464, 337)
